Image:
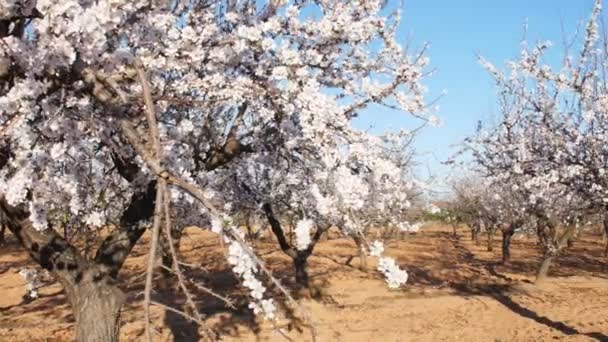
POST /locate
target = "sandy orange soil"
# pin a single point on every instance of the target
(457, 291)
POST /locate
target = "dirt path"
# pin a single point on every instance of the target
(457, 291)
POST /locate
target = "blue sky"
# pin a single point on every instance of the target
(456, 31)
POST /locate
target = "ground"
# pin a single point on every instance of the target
(457, 291)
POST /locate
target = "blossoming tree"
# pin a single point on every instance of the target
(549, 146)
(126, 114)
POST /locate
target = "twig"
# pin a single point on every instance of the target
(196, 192)
(150, 115)
(178, 272)
(161, 191)
(179, 312)
(152, 259)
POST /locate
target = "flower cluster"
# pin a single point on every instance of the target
(303, 233)
(395, 276)
(244, 267)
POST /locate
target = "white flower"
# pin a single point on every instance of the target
(244, 266)
(217, 226)
(302, 231)
(376, 248)
(269, 308)
(395, 277)
(57, 150)
(186, 126)
(434, 121)
(232, 17)
(33, 281)
(17, 186)
(94, 219)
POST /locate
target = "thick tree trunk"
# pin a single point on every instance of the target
(475, 235)
(491, 239)
(552, 244)
(605, 235)
(300, 263)
(362, 260)
(362, 254)
(2, 229)
(570, 242)
(542, 239)
(89, 284)
(544, 269)
(96, 306)
(299, 257)
(507, 234)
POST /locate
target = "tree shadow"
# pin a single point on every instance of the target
(182, 329)
(527, 313)
(477, 283)
(53, 304)
(500, 294)
(222, 283)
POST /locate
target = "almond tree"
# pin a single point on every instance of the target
(550, 143)
(126, 113)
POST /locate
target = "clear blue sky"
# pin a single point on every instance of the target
(456, 31)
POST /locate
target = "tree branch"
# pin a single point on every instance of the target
(276, 228)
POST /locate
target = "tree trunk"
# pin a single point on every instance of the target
(542, 239)
(362, 254)
(491, 239)
(507, 234)
(89, 284)
(2, 229)
(362, 260)
(300, 263)
(605, 235)
(454, 226)
(299, 257)
(96, 306)
(544, 269)
(475, 235)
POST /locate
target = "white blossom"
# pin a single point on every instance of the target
(302, 231)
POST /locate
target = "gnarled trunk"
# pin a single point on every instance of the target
(299, 257)
(491, 231)
(300, 263)
(362, 254)
(605, 221)
(543, 270)
(542, 238)
(507, 234)
(475, 235)
(96, 306)
(552, 244)
(89, 284)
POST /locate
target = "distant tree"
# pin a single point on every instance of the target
(549, 147)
